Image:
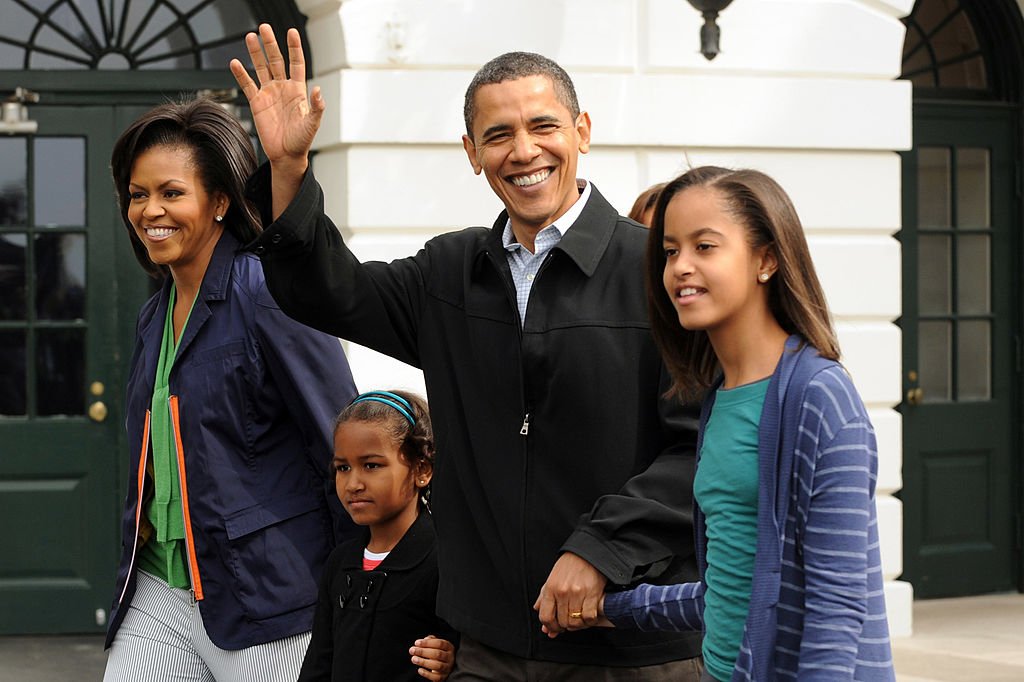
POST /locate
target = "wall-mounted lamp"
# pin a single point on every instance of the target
(15, 118)
(709, 32)
(227, 98)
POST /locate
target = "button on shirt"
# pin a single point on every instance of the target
(526, 265)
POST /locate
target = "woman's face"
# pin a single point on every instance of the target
(171, 212)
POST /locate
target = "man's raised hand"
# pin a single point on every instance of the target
(286, 118)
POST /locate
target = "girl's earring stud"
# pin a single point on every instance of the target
(218, 218)
(764, 276)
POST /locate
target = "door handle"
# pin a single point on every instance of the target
(915, 396)
(98, 411)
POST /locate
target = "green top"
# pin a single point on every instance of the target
(164, 555)
(726, 490)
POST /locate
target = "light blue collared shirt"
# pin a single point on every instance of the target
(526, 265)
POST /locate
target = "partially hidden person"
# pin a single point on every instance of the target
(787, 531)
(229, 406)
(643, 206)
(378, 594)
(560, 468)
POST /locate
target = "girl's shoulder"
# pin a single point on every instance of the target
(828, 394)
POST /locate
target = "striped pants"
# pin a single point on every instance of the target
(162, 639)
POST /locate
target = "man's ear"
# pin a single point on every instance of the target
(470, 148)
(583, 130)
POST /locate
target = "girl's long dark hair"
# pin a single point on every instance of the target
(221, 150)
(795, 296)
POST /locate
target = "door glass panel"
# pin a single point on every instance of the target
(13, 377)
(935, 360)
(60, 276)
(13, 277)
(934, 274)
(60, 371)
(974, 360)
(933, 183)
(973, 278)
(972, 188)
(13, 181)
(59, 181)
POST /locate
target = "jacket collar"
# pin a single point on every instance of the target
(415, 546)
(214, 288)
(585, 243)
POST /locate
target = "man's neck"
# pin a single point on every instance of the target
(526, 235)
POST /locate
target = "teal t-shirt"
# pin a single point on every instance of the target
(726, 490)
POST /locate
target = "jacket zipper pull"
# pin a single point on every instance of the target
(525, 431)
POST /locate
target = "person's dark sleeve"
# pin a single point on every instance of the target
(319, 660)
(311, 372)
(640, 531)
(317, 280)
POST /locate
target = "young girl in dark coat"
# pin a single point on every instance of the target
(375, 619)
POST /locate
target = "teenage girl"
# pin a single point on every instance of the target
(786, 531)
(377, 595)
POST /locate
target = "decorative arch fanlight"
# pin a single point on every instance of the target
(965, 50)
(111, 35)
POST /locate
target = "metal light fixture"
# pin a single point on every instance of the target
(709, 32)
(15, 118)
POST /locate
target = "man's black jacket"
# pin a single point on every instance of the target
(551, 436)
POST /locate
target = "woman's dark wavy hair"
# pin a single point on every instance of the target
(795, 296)
(221, 150)
(415, 442)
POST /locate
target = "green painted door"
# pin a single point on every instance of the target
(66, 283)
(960, 350)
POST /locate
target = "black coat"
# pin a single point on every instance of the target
(604, 467)
(366, 621)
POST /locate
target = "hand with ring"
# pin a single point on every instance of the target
(569, 599)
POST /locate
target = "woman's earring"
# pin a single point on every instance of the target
(764, 277)
(218, 218)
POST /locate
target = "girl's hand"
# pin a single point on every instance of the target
(434, 656)
(286, 119)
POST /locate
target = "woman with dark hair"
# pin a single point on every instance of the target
(643, 207)
(785, 521)
(229, 411)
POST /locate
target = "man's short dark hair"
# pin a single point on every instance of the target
(513, 66)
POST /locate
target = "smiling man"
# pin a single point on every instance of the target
(561, 471)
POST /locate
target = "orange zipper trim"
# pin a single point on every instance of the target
(138, 501)
(193, 563)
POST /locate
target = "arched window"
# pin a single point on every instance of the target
(954, 49)
(122, 35)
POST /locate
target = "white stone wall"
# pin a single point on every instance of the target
(803, 89)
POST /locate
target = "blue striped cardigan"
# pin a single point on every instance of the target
(817, 609)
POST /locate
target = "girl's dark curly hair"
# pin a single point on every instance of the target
(415, 441)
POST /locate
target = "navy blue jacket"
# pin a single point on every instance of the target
(253, 399)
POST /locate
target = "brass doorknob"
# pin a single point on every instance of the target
(97, 411)
(915, 396)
